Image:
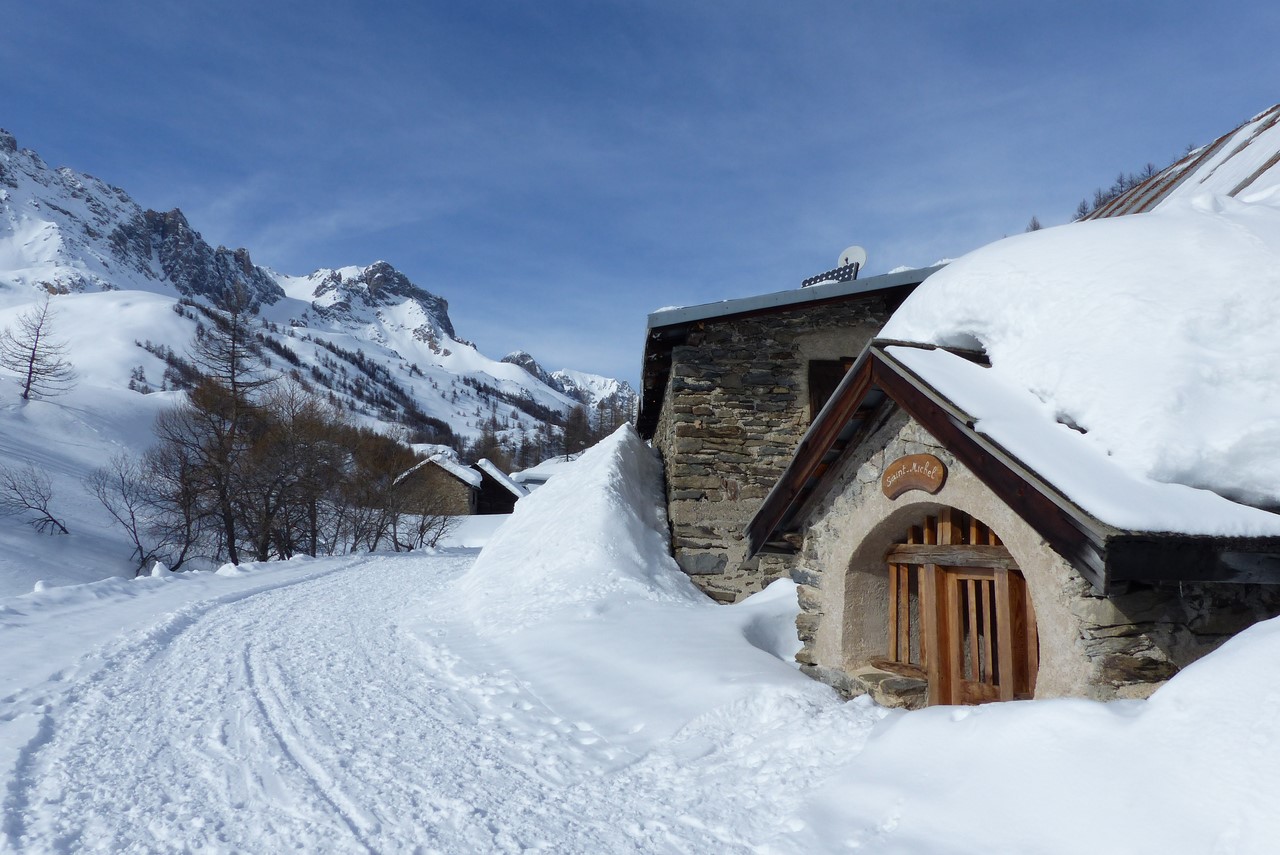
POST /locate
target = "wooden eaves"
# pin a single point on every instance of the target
(1108, 557)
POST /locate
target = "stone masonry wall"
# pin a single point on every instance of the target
(736, 405)
(456, 498)
(1091, 646)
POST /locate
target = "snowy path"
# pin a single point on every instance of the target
(333, 711)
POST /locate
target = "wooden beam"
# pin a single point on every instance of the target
(951, 555)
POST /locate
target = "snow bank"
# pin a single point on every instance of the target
(594, 536)
(1189, 771)
(578, 593)
(1155, 333)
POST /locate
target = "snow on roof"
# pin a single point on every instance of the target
(1154, 334)
(502, 478)
(540, 474)
(779, 300)
(1026, 427)
(456, 469)
(1243, 162)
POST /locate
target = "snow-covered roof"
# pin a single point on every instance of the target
(1154, 334)
(1131, 383)
(1243, 162)
(536, 476)
(465, 474)
(779, 300)
(1029, 429)
(502, 478)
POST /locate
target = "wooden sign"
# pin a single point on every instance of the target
(913, 472)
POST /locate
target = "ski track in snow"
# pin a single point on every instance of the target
(337, 712)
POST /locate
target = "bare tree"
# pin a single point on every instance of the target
(35, 355)
(127, 493)
(28, 489)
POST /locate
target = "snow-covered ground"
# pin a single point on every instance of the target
(569, 691)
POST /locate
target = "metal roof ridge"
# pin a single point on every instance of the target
(790, 297)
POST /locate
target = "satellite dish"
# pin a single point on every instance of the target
(853, 255)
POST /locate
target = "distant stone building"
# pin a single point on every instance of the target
(728, 390)
(457, 486)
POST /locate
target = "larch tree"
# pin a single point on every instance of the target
(31, 351)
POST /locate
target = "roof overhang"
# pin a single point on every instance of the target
(1106, 556)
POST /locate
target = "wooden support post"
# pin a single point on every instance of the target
(946, 528)
(933, 614)
(1004, 635)
(972, 586)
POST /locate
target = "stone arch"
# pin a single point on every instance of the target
(933, 595)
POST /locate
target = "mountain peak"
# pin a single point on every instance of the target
(526, 361)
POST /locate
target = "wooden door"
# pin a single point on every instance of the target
(985, 635)
(977, 634)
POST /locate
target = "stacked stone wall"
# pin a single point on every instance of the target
(456, 497)
(735, 408)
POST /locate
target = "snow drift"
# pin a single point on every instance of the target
(595, 534)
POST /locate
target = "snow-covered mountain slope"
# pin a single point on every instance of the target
(377, 344)
(1243, 163)
(592, 390)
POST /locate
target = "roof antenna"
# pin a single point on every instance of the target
(851, 261)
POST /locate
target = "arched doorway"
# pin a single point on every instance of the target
(959, 612)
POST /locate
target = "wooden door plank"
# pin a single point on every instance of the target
(971, 591)
(989, 615)
(904, 616)
(945, 527)
(893, 611)
(933, 615)
(952, 640)
(1004, 636)
(957, 555)
(920, 617)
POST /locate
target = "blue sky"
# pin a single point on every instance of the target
(557, 170)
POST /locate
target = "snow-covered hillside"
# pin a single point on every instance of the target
(381, 346)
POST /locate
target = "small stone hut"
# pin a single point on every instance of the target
(457, 486)
(729, 388)
(935, 566)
